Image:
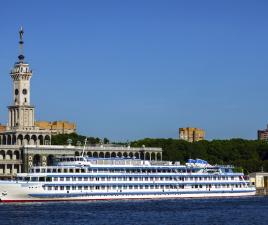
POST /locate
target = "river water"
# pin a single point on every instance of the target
(246, 210)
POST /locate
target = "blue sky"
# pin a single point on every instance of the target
(133, 69)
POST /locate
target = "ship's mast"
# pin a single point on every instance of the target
(84, 147)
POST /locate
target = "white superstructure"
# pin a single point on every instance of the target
(84, 178)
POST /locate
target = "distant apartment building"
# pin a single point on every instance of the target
(57, 127)
(191, 134)
(2, 128)
(263, 134)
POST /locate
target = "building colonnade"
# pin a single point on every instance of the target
(24, 139)
(10, 161)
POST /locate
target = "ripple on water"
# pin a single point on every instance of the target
(214, 211)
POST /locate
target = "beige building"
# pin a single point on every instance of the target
(2, 128)
(15, 159)
(21, 129)
(263, 134)
(57, 127)
(25, 142)
(191, 134)
(260, 180)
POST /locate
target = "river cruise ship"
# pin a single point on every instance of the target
(80, 178)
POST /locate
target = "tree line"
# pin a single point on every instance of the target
(247, 155)
(76, 139)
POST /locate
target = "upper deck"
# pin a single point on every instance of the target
(108, 164)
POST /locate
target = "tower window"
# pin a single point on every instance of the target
(25, 100)
(24, 91)
(16, 92)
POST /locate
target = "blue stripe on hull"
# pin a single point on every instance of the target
(91, 194)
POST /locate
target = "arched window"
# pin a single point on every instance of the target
(107, 155)
(2, 155)
(9, 155)
(50, 160)
(37, 160)
(16, 155)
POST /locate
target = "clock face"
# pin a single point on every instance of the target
(16, 92)
(24, 91)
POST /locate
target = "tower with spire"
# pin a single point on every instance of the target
(21, 129)
(21, 113)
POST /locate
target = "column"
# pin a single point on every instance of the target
(12, 169)
(9, 118)
(5, 172)
(15, 117)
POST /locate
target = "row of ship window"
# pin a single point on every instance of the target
(141, 178)
(116, 170)
(169, 178)
(140, 187)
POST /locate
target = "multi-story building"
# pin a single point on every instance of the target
(15, 159)
(57, 127)
(25, 143)
(263, 134)
(191, 134)
(21, 129)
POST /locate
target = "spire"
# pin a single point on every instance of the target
(21, 56)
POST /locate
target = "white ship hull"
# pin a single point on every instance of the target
(20, 192)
